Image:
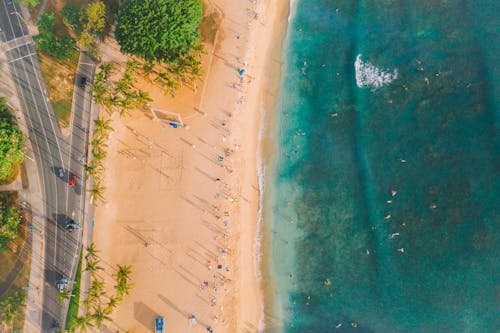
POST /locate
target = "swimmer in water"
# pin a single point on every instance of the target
(402, 249)
(394, 235)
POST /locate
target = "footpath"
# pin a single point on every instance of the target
(30, 191)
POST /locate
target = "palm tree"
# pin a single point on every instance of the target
(92, 266)
(99, 315)
(63, 295)
(123, 272)
(92, 168)
(110, 101)
(103, 127)
(99, 154)
(112, 304)
(148, 68)
(83, 323)
(123, 288)
(98, 141)
(91, 252)
(97, 191)
(96, 289)
(122, 280)
(106, 68)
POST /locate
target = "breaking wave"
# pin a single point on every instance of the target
(367, 75)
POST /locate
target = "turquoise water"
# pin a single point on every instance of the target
(400, 154)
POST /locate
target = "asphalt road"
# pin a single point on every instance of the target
(57, 157)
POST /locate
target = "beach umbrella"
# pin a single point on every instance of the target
(241, 71)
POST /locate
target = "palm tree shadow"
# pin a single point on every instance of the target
(144, 315)
(185, 314)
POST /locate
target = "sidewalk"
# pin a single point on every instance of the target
(34, 197)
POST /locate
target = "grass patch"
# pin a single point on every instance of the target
(59, 74)
(60, 77)
(63, 111)
(75, 299)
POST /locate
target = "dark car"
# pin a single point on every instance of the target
(72, 226)
(72, 179)
(82, 82)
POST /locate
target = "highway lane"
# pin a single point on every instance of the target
(55, 160)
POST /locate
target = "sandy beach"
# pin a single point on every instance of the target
(181, 204)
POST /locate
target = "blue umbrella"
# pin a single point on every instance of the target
(241, 71)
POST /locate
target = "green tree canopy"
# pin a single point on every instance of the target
(9, 225)
(71, 13)
(32, 3)
(159, 30)
(46, 40)
(11, 142)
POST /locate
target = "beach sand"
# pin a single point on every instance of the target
(181, 204)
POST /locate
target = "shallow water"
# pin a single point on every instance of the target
(418, 115)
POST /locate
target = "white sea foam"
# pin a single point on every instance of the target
(258, 236)
(368, 75)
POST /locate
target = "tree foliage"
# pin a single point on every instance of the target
(11, 142)
(32, 3)
(94, 18)
(159, 30)
(92, 21)
(10, 219)
(46, 41)
(98, 304)
(71, 14)
(11, 307)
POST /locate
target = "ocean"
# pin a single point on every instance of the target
(382, 198)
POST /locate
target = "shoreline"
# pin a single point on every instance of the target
(270, 315)
(174, 216)
(265, 94)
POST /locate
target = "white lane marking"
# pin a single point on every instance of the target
(82, 171)
(56, 140)
(28, 55)
(18, 46)
(17, 38)
(48, 147)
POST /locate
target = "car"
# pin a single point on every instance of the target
(159, 324)
(54, 327)
(82, 82)
(72, 179)
(62, 284)
(72, 226)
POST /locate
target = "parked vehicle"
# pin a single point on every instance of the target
(159, 325)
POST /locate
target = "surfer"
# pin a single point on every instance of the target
(395, 234)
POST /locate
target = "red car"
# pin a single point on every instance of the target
(72, 179)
